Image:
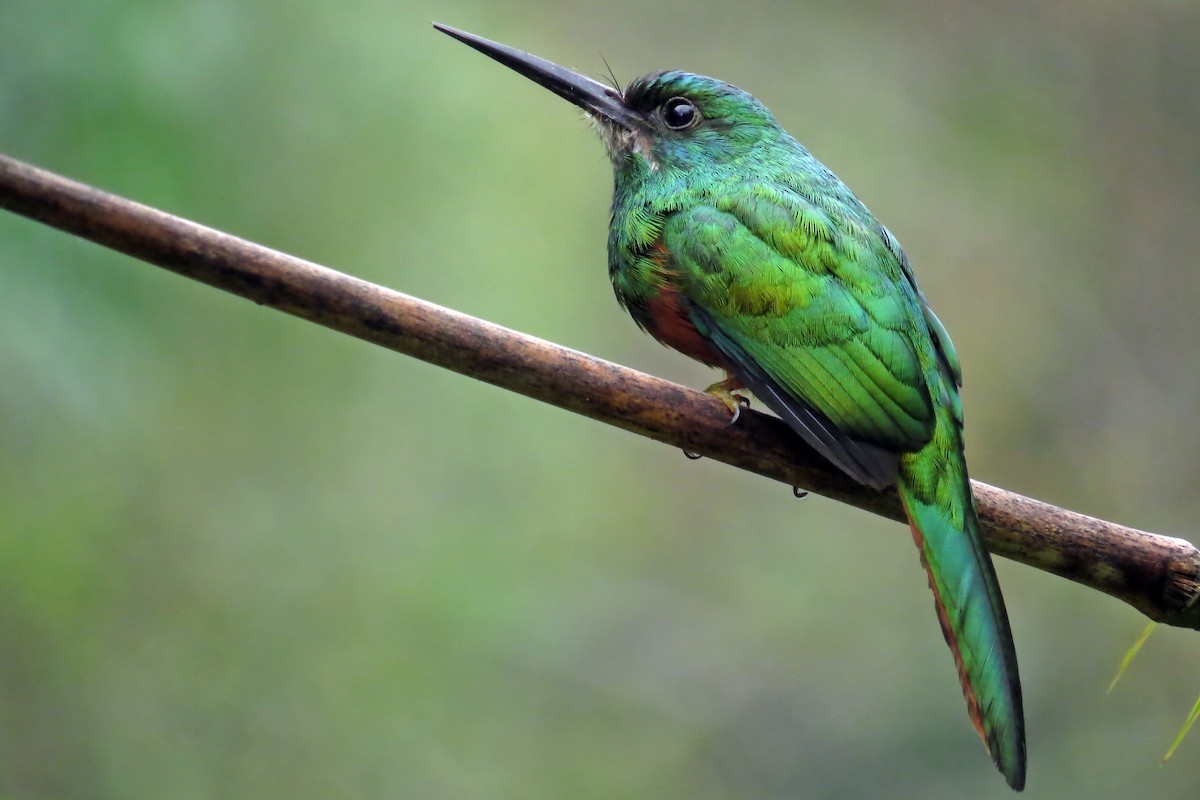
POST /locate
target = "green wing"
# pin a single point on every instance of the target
(825, 330)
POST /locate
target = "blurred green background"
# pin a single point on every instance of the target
(242, 556)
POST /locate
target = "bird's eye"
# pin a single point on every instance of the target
(679, 113)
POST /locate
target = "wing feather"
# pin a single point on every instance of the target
(831, 353)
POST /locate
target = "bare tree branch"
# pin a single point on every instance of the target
(1158, 575)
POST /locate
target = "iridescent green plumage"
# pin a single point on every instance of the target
(732, 244)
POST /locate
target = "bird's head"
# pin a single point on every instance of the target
(668, 122)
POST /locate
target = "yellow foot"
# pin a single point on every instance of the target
(724, 391)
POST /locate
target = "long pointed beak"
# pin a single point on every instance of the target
(590, 95)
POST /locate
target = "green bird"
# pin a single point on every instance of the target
(732, 244)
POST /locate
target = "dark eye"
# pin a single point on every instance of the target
(679, 113)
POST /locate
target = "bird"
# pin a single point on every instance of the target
(732, 244)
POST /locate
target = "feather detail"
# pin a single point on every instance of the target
(967, 597)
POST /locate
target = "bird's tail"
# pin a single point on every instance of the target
(937, 497)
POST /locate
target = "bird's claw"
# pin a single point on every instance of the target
(740, 402)
(724, 391)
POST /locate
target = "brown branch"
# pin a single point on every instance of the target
(1158, 575)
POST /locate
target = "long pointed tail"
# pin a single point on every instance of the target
(941, 512)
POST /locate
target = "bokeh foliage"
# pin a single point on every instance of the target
(243, 556)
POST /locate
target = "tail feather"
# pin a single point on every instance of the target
(941, 513)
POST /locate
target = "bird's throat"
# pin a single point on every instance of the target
(622, 143)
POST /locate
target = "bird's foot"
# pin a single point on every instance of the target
(724, 391)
